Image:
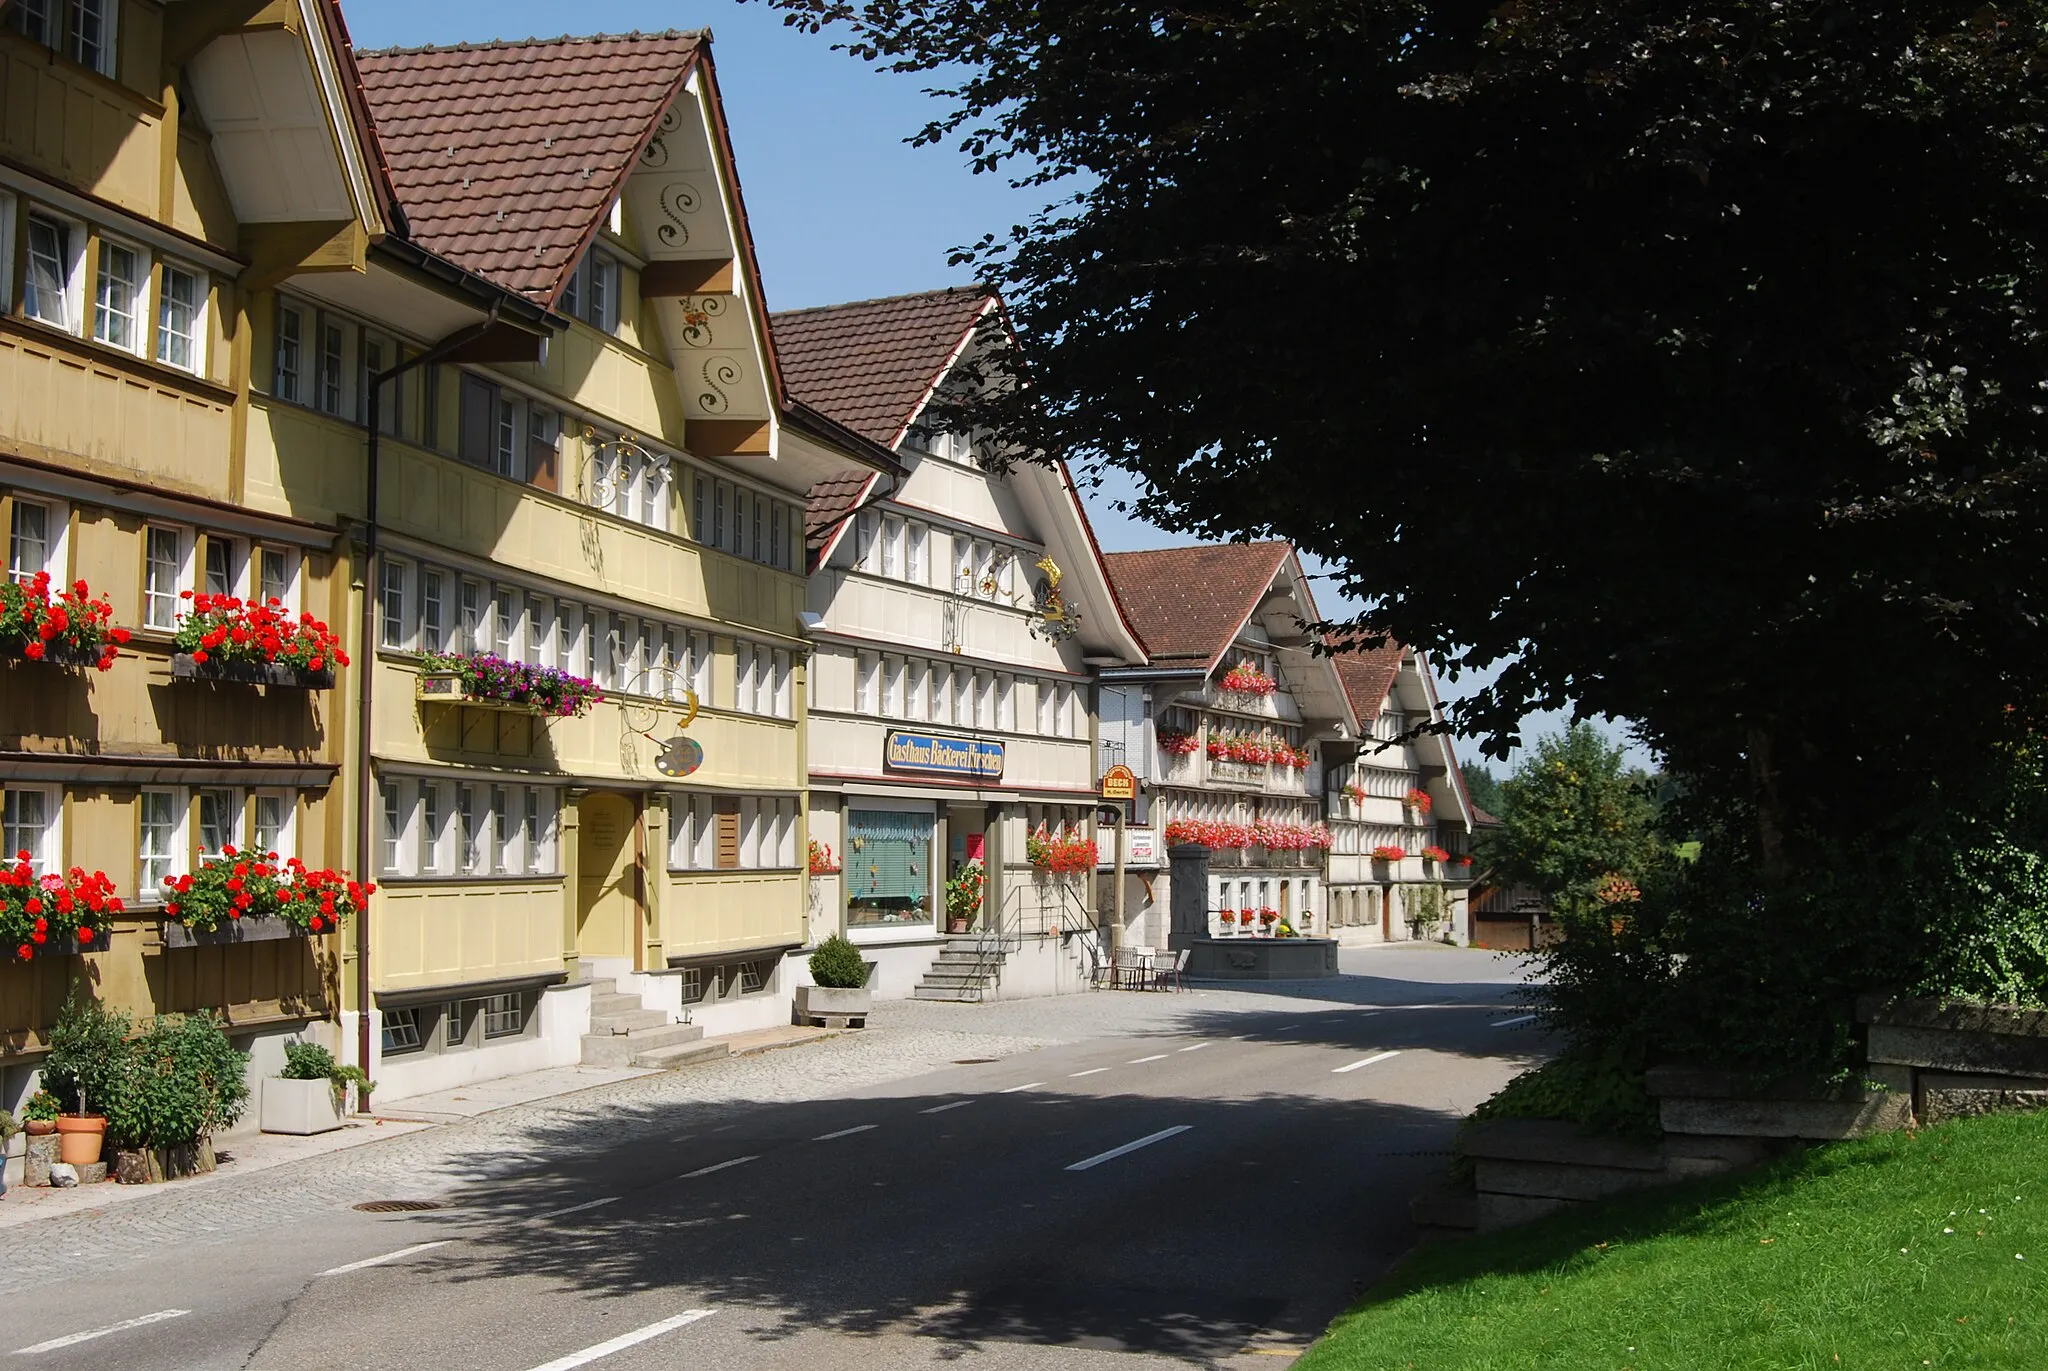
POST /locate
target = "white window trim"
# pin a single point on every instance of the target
(141, 308)
(202, 309)
(48, 853)
(73, 295)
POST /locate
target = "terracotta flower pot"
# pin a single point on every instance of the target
(39, 1128)
(80, 1137)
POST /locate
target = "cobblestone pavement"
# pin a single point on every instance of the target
(905, 1039)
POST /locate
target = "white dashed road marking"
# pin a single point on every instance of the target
(73, 1339)
(579, 1208)
(1196, 1048)
(387, 1257)
(623, 1341)
(1028, 1085)
(1342, 1070)
(942, 1108)
(1155, 1057)
(846, 1132)
(1091, 1071)
(1161, 1136)
(716, 1166)
(1510, 1023)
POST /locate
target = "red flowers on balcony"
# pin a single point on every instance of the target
(222, 631)
(1388, 852)
(1274, 837)
(253, 885)
(54, 913)
(1175, 743)
(1419, 801)
(70, 629)
(1246, 679)
(1435, 854)
(1063, 855)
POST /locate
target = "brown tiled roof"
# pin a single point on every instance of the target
(1187, 603)
(505, 155)
(1368, 674)
(869, 364)
(831, 501)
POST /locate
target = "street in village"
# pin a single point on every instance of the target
(1116, 1179)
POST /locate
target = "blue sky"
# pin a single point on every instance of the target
(841, 207)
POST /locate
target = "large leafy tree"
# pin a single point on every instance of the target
(1578, 823)
(1685, 355)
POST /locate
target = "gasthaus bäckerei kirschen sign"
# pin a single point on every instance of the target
(965, 758)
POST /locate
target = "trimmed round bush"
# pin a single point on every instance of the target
(838, 965)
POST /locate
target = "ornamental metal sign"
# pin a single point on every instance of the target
(1119, 783)
(931, 755)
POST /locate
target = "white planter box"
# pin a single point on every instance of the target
(299, 1107)
(817, 1001)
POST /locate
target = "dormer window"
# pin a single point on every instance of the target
(945, 444)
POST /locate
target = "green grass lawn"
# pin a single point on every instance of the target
(1907, 1250)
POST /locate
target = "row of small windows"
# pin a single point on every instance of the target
(326, 361)
(143, 305)
(940, 692)
(426, 608)
(83, 30)
(175, 559)
(921, 554)
(466, 828)
(177, 827)
(456, 1024)
(732, 833)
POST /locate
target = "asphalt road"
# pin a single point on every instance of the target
(1209, 1195)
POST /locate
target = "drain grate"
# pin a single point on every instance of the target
(399, 1206)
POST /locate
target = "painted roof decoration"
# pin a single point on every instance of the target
(1188, 603)
(506, 155)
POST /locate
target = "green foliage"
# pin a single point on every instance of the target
(87, 1044)
(179, 1081)
(1425, 908)
(1483, 787)
(838, 965)
(1575, 813)
(1901, 1250)
(1600, 1090)
(307, 1062)
(42, 1107)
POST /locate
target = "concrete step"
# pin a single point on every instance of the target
(603, 987)
(620, 1049)
(962, 995)
(960, 978)
(611, 1002)
(682, 1054)
(630, 1021)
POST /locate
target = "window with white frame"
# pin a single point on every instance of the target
(393, 577)
(867, 689)
(277, 577)
(939, 707)
(220, 820)
(160, 840)
(181, 318)
(31, 818)
(83, 30)
(163, 575)
(432, 828)
(592, 292)
(375, 355)
(120, 295)
(759, 830)
(274, 830)
(35, 538)
(289, 380)
(331, 366)
(916, 553)
(226, 562)
(56, 259)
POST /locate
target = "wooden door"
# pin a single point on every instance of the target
(607, 877)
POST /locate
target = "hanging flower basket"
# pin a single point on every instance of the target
(67, 630)
(225, 638)
(1419, 801)
(55, 914)
(495, 683)
(1389, 853)
(1175, 743)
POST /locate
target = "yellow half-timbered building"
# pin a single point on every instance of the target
(441, 350)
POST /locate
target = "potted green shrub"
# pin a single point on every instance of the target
(39, 1115)
(842, 990)
(177, 1084)
(87, 1045)
(307, 1096)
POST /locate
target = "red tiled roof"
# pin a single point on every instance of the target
(830, 502)
(870, 364)
(505, 155)
(1368, 674)
(1187, 603)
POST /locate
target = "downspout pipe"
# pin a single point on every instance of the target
(366, 674)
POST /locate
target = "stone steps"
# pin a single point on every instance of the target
(629, 1021)
(682, 1054)
(961, 974)
(955, 995)
(626, 1049)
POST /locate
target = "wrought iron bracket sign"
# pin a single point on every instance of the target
(933, 755)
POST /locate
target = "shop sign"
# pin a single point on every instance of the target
(679, 756)
(1119, 783)
(1141, 849)
(967, 758)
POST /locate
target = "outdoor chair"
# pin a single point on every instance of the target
(1131, 965)
(1168, 969)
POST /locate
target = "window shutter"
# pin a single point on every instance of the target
(728, 834)
(477, 437)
